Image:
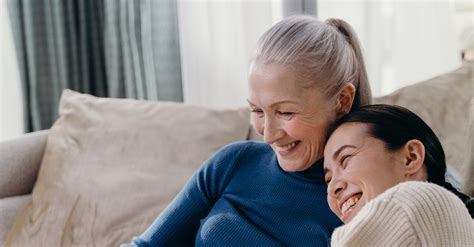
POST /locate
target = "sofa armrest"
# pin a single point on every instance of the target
(20, 163)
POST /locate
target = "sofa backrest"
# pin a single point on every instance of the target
(444, 103)
(254, 135)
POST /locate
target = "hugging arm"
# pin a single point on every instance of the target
(411, 213)
(374, 226)
(178, 224)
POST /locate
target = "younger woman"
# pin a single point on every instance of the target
(369, 160)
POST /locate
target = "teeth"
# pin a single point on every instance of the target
(288, 147)
(349, 203)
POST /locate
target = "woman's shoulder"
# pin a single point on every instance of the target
(248, 144)
(414, 196)
(231, 160)
(239, 153)
(245, 148)
(410, 212)
(426, 202)
(417, 192)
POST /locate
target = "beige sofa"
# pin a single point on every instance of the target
(445, 102)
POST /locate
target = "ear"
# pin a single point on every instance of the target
(345, 99)
(414, 156)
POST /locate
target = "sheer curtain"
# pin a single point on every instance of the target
(107, 48)
(11, 105)
(217, 39)
(403, 41)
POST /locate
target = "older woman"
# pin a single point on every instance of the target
(305, 75)
(375, 165)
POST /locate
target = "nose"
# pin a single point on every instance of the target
(272, 131)
(335, 187)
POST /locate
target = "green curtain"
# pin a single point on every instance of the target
(108, 48)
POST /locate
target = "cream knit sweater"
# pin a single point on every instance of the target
(409, 214)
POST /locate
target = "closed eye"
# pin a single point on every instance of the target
(327, 176)
(344, 160)
(258, 112)
(286, 114)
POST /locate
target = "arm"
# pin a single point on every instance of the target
(178, 224)
(417, 213)
(379, 223)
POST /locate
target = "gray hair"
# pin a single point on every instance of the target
(326, 54)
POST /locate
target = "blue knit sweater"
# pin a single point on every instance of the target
(241, 196)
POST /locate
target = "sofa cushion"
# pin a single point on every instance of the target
(9, 207)
(443, 102)
(112, 165)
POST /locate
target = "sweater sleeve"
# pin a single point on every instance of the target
(178, 224)
(379, 223)
(411, 213)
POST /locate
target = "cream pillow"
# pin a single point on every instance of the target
(469, 175)
(112, 165)
(443, 102)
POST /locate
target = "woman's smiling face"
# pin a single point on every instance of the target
(358, 167)
(292, 118)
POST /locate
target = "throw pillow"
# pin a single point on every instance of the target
(8, 208)
(112, 165)
(443, 102)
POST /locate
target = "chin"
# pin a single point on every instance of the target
(288, 168)
(347, 218)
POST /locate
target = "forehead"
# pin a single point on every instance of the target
(352, 134)
(270, 82)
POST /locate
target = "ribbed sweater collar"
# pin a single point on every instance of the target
(314, 174)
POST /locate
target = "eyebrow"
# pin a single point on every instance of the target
(275, 103)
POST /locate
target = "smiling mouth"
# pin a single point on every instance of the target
(350, 203)
(287, 148)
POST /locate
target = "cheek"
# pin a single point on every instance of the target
(372, 177)
(314, 132)
(333, 205)
(362, 173)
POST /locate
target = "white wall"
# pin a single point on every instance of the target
(11, 104)
(403, 41)
(217, 39)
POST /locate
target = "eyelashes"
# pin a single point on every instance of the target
(344, 160)
(284, 114)
(257, 112)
